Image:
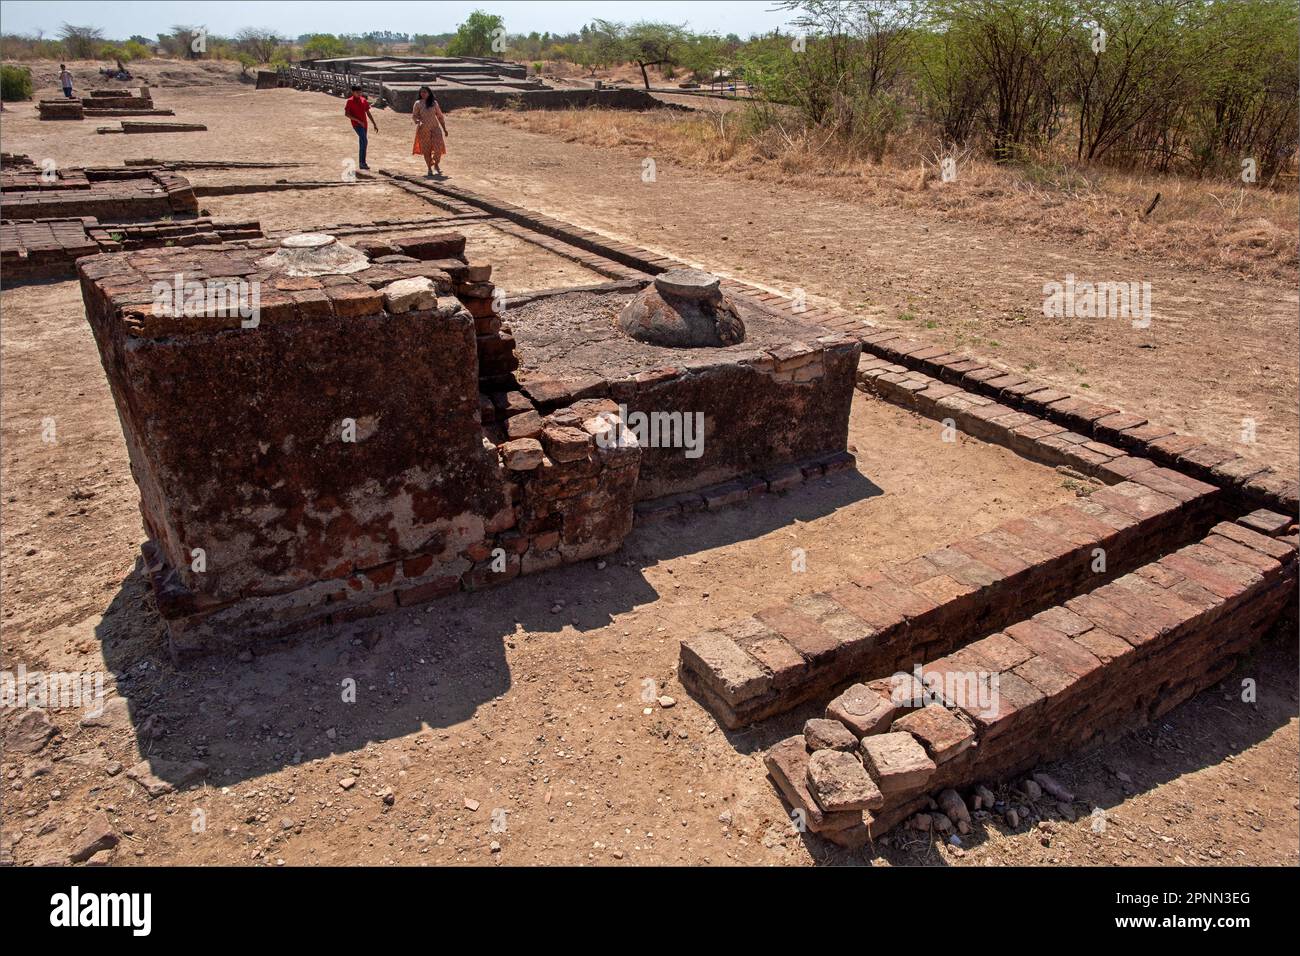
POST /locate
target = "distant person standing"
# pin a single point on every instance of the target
(65, 79)
(430, 131)
(357, 109)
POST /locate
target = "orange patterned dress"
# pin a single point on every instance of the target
(429, 140)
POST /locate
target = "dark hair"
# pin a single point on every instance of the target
(356, 89)
(430, 101)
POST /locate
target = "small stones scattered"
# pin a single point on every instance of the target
(97, 836)
(665, 702)
(159, 777)
(1052, 788)
(1031, 789)
(471, 805)
(347, 783)
(951, 803)
(31, 731)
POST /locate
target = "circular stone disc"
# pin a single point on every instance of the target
(688, 283)
(307, 240)
(314, 254)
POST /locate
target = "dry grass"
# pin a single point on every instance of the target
(1243, 230)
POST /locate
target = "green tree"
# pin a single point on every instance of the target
(258, 43)
(654, 44)
(81, 43)
(323, 46)
(482, 34)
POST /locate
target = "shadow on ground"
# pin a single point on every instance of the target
(426, 667)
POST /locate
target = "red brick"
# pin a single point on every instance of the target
(1015, 700)
(431, 590)
(944, 590)
(1045, 676)
(1239, 552)
(911, 572)
(871, 610)
(1114, 620)
(1063, 620)
(1171, 446)
(1253, 539)
(778, 656)
(895, 595)
(1215, 577)
(1171, 483)
(1154, 608)
(964, 568)
(1134, 501)
(804, 633)
(1000, 652)
(1054, 646)
(1266, 522)
(416, 565)
(993, 553)
(1104, 646)
(1205, 457)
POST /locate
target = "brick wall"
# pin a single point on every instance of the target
(1071, 677)
(868, 627)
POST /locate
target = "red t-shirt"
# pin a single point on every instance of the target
(357, 108)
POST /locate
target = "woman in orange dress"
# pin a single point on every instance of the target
(430, 131)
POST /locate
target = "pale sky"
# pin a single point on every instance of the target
(120, 19)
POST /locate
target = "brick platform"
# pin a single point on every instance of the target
(35, 250)
(117, 194)
(60, 109)
(457, 479)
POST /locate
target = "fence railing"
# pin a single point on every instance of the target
(302, 76)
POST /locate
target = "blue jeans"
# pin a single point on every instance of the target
(67, 91)
(361, 137)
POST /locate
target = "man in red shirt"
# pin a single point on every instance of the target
(357, 109)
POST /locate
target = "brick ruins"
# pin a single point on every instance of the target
(101, 103)
(50, 219)
(383, 435)
(377, 448)
(395, 81)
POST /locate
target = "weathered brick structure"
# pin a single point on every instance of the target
(106, 194)
(363, 443)
(60, 109)
(1072, 676)
(36, 249)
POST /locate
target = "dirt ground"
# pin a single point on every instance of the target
(513, 730)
